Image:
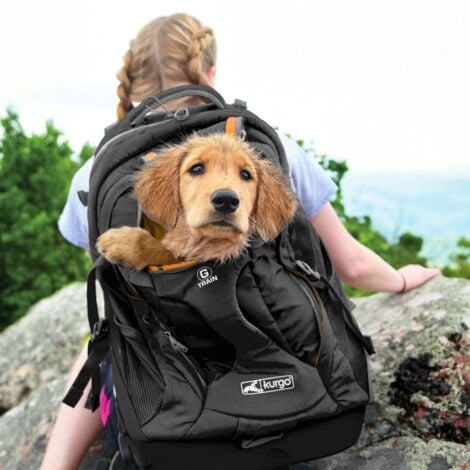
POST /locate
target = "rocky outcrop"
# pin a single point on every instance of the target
(25, 429)
(421, 376)
(422, 366)
(36, 356)
(399, 453)
(43, 344)
(421, 372)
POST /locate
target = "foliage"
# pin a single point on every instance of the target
(35, 173)
(460, 260)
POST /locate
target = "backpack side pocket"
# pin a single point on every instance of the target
(142, 378)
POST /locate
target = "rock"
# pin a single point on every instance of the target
(25, 429)
(401, 453)
(43, 344)
(420, 373)
(422, 367)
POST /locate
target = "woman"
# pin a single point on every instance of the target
(172, 51)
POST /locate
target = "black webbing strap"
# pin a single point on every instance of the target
(98, 346)
(366, 341)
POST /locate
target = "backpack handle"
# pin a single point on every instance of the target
(183, 91)
(151, 103)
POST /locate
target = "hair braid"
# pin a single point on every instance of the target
(124, 88)
(196, 67)
(168, 51)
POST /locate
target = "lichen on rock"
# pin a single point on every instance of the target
(420, 375)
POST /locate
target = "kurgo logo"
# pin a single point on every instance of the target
(205, 276)
(267, 385)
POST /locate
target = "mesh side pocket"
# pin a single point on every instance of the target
(348, 343)
(143, 381)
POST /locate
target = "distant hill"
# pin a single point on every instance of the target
(433, 206)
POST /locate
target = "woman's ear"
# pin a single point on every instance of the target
(211, 75)
(275, 204)
(157, 187)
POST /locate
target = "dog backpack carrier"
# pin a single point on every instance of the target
(247, 364)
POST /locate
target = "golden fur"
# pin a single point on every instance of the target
(172, 196)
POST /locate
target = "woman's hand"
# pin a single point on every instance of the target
(415, 275)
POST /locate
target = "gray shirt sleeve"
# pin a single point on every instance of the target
(312, 184)
(73, 222)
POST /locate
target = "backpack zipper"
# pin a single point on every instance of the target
(183, 350)
(177, 346)
(129, 131)
(317, 303)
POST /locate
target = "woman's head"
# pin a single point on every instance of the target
(168, 51)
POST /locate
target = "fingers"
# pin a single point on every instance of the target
(416, 275)
(429, 273)
(435, 271)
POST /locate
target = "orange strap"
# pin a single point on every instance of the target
(151, 155)
(166, 267)
(231, 126)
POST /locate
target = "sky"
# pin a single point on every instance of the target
(382, 84)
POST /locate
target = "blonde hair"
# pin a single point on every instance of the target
(167, 51)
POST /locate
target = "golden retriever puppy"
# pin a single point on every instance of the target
(209, 194)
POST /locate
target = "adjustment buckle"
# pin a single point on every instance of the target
(100, 330)
(308, 270)
(240, 103)
(181, 114)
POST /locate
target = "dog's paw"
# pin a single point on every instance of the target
(125, 245)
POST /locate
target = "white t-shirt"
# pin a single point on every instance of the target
(312, 184)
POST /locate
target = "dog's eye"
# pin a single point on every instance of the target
(197, 169)
(246, 175)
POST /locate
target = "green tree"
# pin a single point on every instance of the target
(460, 260)
(35, 174)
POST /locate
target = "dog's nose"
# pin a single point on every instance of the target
(225, 201)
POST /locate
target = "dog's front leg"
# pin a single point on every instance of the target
(133, 247)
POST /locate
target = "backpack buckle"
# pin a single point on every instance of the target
(240, 103)
(311, 274)
(100, 330)
(181, 114)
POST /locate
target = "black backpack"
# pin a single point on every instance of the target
(248, 364)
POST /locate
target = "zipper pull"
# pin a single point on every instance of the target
(176, 345)
(308, 270)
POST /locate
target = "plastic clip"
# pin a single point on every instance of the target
(308, 270)
(100, 330)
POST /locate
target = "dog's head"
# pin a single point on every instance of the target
(219, 186)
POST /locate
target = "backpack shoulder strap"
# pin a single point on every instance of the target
(98, 346)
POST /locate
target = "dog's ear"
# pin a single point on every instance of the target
(157, 187)
(275, 204)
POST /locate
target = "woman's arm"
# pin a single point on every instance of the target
(360, 267)
(75, 429)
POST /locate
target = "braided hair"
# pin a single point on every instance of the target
(167, 51)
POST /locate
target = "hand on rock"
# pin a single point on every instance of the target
(415, 275)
